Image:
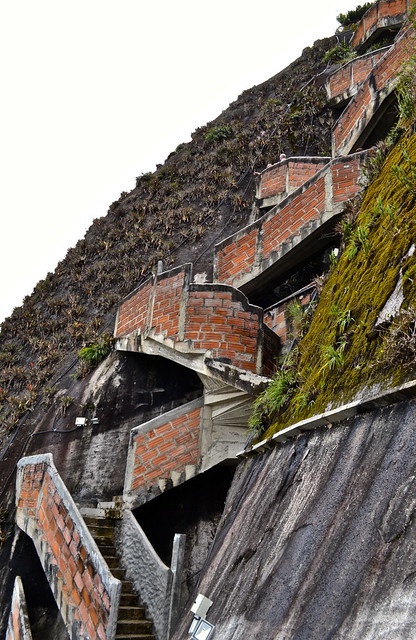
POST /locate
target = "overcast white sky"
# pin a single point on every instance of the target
(95, 92)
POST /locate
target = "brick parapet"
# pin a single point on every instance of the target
(212, 318)
(343, 83)
(84, 589)
(18, 627)
(252, 250)
(384, 14)
(283, 318)
(281, 179)
(164, 446)
(380, 82)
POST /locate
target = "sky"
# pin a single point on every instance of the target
(96, 92)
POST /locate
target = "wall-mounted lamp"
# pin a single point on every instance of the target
(200, 628)
(201, 605)
(203, 630)
(81, 421)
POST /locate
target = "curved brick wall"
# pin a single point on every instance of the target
(252, 250)
(201, 317)
(344, 82)
(384, 14)
(378, 85)
(288, 175)
(78, 576)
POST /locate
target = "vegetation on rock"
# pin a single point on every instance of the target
(349, 19)
(204, 190)
(352, 343)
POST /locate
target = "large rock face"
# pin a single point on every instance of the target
(317, 537)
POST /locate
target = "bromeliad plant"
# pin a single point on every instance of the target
(93, 354)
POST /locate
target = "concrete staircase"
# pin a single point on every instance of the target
(132, 623)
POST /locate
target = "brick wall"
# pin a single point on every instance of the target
(344, 82)
(164, 445)
(18, 627)
(167, 303)
(221, 320)
(282, 320)
(307, 206)
(345, 179)
(253, 249)
(201, 317)
(286, 176)
(84, 589)
(361, 108)
(383, 14)
(273, 180)
(237, 258)
(133, 310)
(155, 304)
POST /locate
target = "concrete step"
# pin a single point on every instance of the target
(131, 612)
(118, 573)
(103, 541)
(112, 562)
(107, 550)
(134, 626)
(135, 636)
(98, 521)
(129, 600)
(127, 587)
(101, 531)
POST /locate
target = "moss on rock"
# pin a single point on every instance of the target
(358, 287)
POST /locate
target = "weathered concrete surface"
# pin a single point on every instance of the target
(317, 537)
(150, 576)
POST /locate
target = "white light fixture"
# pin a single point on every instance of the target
(80, 422)
(203, 630)
(201, 606)
(200, 628)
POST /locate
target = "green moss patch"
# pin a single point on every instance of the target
(344, 350)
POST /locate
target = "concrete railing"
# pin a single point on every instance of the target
(385, 14)
(343, 83)
(158, 585)
(247, 254)
(214, 320)
(84, 589)
(18, 627)
(359, 116)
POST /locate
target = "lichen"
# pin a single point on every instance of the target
(359, 286)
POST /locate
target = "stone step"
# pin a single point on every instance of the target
(134, 626)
